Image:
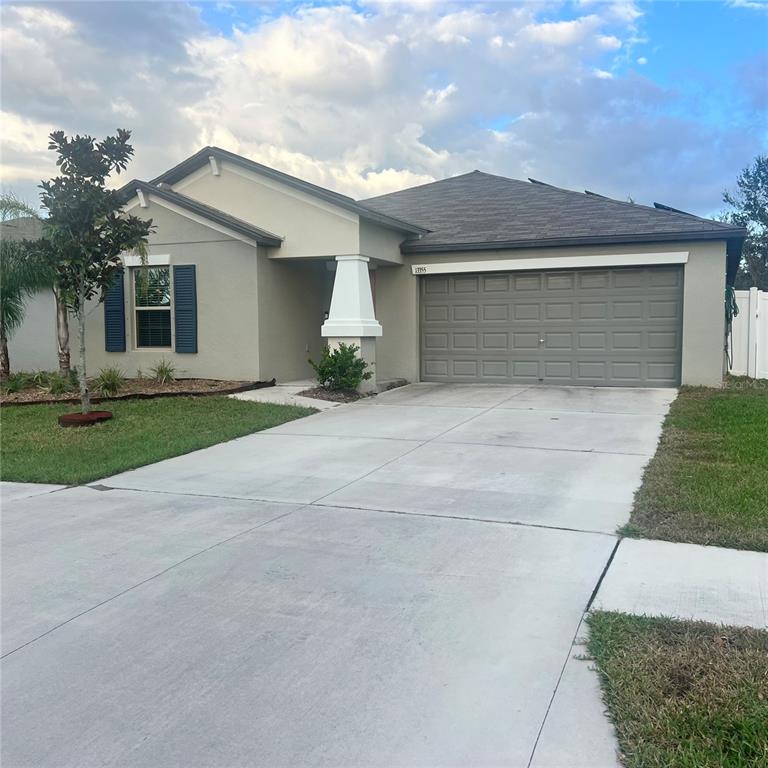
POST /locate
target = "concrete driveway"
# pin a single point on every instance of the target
(397, 582)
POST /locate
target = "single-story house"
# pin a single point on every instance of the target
(474, 278)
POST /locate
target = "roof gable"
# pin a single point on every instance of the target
(207, 212)
(201, 158)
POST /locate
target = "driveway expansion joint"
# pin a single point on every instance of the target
(145, 581)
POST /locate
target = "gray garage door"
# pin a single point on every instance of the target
(611, 327)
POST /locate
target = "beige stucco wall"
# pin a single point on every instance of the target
(292, 299)
(397, 305)
(380, 244)
(32, 347)
(227, 317)
(311, 227)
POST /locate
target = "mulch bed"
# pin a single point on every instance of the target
(137, 389)
(334, 395)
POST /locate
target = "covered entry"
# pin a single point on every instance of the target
(611, 327)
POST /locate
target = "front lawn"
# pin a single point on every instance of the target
(683, 694)
(34, 448)
(708, 482)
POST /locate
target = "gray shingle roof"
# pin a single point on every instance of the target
(480, 210)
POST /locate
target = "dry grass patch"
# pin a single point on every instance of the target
(683, 694)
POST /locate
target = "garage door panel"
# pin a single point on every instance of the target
(619, 327)
(527, 312)
(465, 313)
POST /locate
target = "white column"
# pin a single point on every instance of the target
(351, 319)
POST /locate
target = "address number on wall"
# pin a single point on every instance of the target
(419, 270)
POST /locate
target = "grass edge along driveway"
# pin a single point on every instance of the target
(35, 449)
(708, 483)
(683, 694)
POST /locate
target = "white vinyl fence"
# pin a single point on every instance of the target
(750, 334)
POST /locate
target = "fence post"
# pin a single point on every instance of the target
(752, 340)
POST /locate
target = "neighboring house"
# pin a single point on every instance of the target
(475, 278)
(32, 346)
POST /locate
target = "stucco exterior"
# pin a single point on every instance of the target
(311, 227)
(227, 305)
(397, 305)
(32, 347)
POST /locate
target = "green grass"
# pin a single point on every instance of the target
(708, 482)
(683, 694)
(34, 448)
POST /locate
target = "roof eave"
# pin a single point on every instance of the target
(414, 246)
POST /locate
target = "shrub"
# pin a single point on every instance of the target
(163, 372)
(58, 384)
(109, 381)
(341, 368)
(40, 378)
(17, 381)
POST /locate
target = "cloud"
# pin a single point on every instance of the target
(364, 99)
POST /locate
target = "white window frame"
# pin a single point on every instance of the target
(135, 308)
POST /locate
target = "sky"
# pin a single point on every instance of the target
(660, 101)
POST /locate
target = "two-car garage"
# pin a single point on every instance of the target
(606, 326)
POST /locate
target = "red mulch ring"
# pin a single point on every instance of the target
(84, 419)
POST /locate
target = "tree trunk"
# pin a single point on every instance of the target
(5, 363)
(62, 335)
(85, 395)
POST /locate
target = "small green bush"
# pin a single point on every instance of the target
(341, 368)
(40, 378)
(109, 381)
(17, 381)
(58, 384)
(164, 372)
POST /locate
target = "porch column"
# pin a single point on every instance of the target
(351, 319)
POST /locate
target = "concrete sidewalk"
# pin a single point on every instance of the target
(687, 581)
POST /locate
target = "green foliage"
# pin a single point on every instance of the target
(85, 231)
(164, 372)
(749, 208)
(39, 378)
(56, 384)
(109, 381)
(16, 382)
(341, 368)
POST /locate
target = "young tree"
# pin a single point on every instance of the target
(85, 232)
(21, 272)
(749, 206)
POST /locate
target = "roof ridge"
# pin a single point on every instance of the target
(429, 184)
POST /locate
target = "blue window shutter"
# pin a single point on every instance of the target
(185, 307)
(114, 315)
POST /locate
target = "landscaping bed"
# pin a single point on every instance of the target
(683, 694)
(334, 395)
(35, 449)
(130, 388)
(708, 482)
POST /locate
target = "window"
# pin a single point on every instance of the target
(152, 304)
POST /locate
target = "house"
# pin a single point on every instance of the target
(475, 278)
